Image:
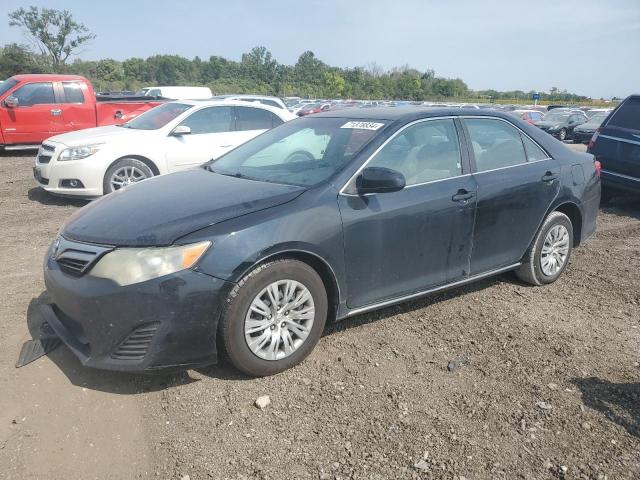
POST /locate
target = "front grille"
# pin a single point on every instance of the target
(76, 258)
(136, 345)
(73, 265)
(45, 153)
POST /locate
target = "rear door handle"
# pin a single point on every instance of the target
(463, 195)
(56, 111)
(549, 177)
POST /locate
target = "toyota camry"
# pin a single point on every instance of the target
(319, 219)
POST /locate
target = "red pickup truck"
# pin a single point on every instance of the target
(34, 107)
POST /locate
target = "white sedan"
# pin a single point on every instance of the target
(171, 137)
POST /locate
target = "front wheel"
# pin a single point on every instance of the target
(124, 172)
(550, 251)
(562, 135)
(274, 317)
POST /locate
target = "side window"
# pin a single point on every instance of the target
(423, 153)
(210, 120)
(72, 92)
(627, 115)
(255, 119)
(35, 94)
(496, 144)
(271, 103)
(534, 152)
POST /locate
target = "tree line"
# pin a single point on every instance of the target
(56, 37)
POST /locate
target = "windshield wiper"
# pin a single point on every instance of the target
(226, 174)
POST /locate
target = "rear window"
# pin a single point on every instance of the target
(628, 115)
(255, 119)
(72, 92)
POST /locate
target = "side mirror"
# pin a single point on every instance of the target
(181, 130)
(11, 102)
(379, 180)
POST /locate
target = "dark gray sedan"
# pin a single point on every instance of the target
(319, 219)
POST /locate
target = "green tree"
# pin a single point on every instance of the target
(334, 84)
(16, 59)
(55, 33)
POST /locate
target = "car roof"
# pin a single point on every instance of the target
(46, 76)
(239, 103)
(409, 114)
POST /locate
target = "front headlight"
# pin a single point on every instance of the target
(78, 153)
(127, 266)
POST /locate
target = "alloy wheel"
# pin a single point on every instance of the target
(555, 250)
(279, 319)
(125, 176)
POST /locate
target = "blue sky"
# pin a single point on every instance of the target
(586, 46)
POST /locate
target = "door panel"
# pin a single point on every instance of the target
(403, 242)
(211, 136)
(187, 151)
(419, 237)
(516, 186)
(36, 118)
(512, 203)
(77, 112)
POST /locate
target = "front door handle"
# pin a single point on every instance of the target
(549, 177)
(463, 195)
(56, 111)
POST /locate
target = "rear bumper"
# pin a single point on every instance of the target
(165, 323)
(619, 181)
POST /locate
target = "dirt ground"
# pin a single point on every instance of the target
(493, 380)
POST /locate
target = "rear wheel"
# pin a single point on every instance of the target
(124, 172)
(550, 251)
(274, 317)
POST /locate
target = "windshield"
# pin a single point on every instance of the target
(7, 85)
(598, 118)
(304, 152)
(157, 117)
(556, 117)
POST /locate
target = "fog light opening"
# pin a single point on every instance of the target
(71, 183)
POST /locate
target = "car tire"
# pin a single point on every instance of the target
(534, 269)
(234, 325)
(562, 134)
(136, 171)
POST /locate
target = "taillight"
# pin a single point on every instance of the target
(593, 140)
(598, 166)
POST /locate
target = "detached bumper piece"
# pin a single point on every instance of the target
(36, 348)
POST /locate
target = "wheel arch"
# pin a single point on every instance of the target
(572, 211)
(321, 267)
(150, 163)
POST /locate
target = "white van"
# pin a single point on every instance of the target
(176, 93)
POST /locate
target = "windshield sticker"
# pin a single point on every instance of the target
(363, 125)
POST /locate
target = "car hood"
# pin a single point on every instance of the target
(161, 210)
(106, 134)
